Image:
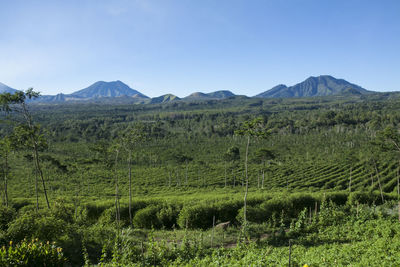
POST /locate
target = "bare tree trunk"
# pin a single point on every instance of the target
(130, 185)
(117, 207)
(35, 151)
(5, 179)
(41, 175)
(36, 191)
(379, 181)
(263, 179)
(247, 183)
(350, 180)
(225, 174)
(186, 174)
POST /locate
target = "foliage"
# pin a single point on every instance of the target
(185, 172)
(31, 253)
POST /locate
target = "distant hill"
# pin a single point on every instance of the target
(6, 89)
(323, 85)
(118, 92)
(107, 89)
(164, 99)
(214, 95)
(197, 95)
(222, 94)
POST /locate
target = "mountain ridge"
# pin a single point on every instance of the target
(119, 92)
(108, 89)
(220, 94)
(6, 89)
(323, 85)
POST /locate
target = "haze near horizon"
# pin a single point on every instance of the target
(181, 47)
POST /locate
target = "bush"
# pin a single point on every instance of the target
(197, 216)
(63, 211)
(228, 210)
(33, 253)
(6, 216)
(253, 214)
(299, 202)
(275, 206)
(38, 225)
(364, 198)
(168, 215)
(147, 218)
(339, 198)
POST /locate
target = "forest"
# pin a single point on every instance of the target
(234, 182)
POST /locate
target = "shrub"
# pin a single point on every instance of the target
(33, 253)
(197, 216)
(6, 216)
(253, 214)
(147, 218)
(339, 198)
(299, 202)
(168, 215)
(275, 206)
(228, 210)
(365, 198)
(40, 225)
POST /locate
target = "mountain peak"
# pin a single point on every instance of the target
(107, 89)
(323, 85)
(164, 99)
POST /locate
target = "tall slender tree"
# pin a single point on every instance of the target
(132, 137)
(5, 149)
(28, 133)
(264, 155)
(252, 128)
(232, 155)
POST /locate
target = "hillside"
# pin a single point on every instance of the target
(117, 92)
(323, 85)
(222, 94)
(6, 89)
(164, 99)
(107, 89)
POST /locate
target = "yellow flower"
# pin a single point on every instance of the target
(10, 243)
(305, 265)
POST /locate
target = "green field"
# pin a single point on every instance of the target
(330, 189)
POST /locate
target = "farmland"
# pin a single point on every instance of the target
(323, 179)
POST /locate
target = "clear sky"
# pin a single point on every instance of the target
(170, 46)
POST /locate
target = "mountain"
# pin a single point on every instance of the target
(323, 85)
(273, 91)
(164, 99)
(196, 96)
(6, 89)
(222, 94)
(107, 89)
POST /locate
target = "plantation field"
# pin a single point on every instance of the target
(324, 178)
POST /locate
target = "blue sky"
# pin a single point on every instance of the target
(168, 46)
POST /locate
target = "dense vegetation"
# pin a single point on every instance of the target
(325, 178)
